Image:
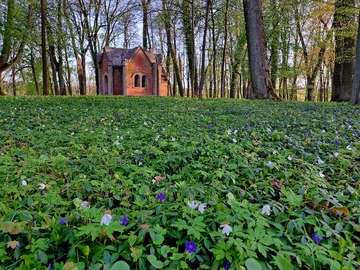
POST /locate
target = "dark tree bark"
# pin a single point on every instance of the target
(259, 68)
(224, 49)
(43, 47)
(344, 46)
(356, 80)
(171, 49)
(188, 30)
(203, 50)
(214, 42)
(145, 5)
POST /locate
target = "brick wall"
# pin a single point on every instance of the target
(141, 65)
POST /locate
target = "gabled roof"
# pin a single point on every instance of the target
(117, 55)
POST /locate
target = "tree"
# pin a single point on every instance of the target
(14, 34)
(202, 73)
(356, 80)
(259, 68)
(344, 50)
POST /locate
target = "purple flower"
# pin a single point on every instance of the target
(207, 150)
(283, 234)
(49, 266)
(337, 142)
(263, 154)
(139, 157)
(227, 265)
(11, 131)
(124, 221)
(210, 126)
(63, 221)
(190, 246)
(316, 238)
(39, 257)
(161, 196)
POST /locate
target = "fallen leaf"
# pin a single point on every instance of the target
(308, 140)
(159, 178)
(107, 211)
(341, 210)
(144, 226)
(276, 183)
(13, 244)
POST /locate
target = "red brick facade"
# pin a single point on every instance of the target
(133, 72)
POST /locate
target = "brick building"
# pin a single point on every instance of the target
(131, 72)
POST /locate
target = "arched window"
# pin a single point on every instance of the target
(106, 82)
(137, 81)
(144, 81)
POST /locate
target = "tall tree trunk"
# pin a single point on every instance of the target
(355, 92)
(53, 66)
(236, 64)
(43, 48)
(60, 50)
(203, 50)
(223, 62)
(188, 30)
(33, 70)
(145, 5)
(274, 44)
(259, 68)
(214, 42)
(344, 56)
(171, 49)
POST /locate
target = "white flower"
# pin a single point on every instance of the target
(121, 137)
(202, 208)
(321, 174)
(92, 131)
(193, 204)
(234, 140)
(235, 131)
(140, 163)
(323, 131)
(336, 154)
(173, 139)
(269, 164)
(226, 229)
(320, 161)
(24, 183)
(116, 143)
(106, 219)
(43, 126)
(349, 126)
(145, 124)
(290, 158)
(85, 204)
(157, 138)
(348, 147)
(266, 210)
(72, 133)
(229, 131)
(86, 129)
(42, 186)
(116, 129)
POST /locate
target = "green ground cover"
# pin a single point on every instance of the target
(178, 184)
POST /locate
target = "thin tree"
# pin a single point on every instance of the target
(259, 68)
(43, 47)
(202, 73)
(356, 80)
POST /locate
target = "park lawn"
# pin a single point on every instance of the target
(213, 184)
